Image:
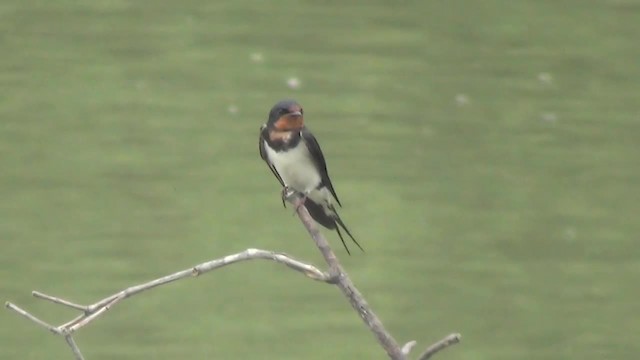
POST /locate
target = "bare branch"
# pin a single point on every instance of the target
(56, 300)
(89, 318)
(31, 317)
(74, 348)
(93, 311)
(345, 284)
(449, 340)
(336, 275)
(354, 296)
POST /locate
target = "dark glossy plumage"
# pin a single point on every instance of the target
(273, 140)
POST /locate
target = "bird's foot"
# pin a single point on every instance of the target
(288, 194)
(284, 195)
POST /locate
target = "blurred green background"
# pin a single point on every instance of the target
(487, 154)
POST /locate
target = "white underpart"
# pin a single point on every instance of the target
(298, 171)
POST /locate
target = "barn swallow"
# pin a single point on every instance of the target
(296, 160)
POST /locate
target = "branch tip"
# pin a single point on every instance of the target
(444, 343)
(406, 348)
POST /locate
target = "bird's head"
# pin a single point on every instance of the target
(286, 115)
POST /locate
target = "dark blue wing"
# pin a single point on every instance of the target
(318, 158)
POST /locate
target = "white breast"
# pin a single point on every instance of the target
(296, 167)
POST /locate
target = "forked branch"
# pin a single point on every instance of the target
(356, 299)
(95, 310)
(336, 275)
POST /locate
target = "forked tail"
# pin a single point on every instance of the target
(330, 220)
(337, 219)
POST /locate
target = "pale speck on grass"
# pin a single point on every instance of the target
(549, 117)
(545, 78)
(462, 100)
(293, 83)
(232, 109)
(256, 57)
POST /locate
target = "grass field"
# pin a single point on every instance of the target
(487, 154)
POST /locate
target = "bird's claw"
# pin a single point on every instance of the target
(288, 193)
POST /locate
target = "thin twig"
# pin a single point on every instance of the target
(31, 317)
(56, 300)
(74, 348)
(74, 321)
(89, 318)
(345, 284)
(94, 311)
(356, 299)
(447, 341)
(336, 275)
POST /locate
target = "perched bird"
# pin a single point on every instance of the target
(294, 157)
